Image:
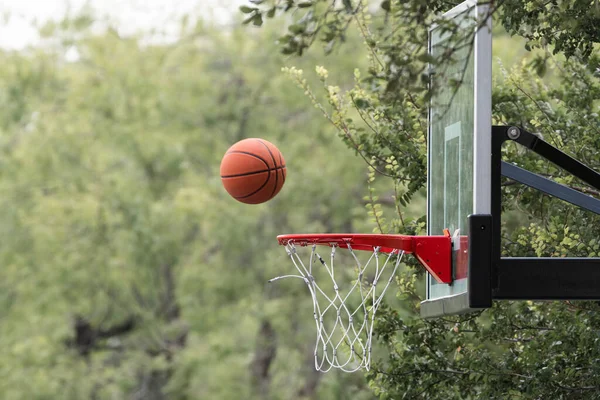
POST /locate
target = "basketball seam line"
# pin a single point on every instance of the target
(274, 163)
(252, 155)
(257, 190)
(282, 174)
(253, 173)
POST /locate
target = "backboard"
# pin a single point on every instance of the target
(459, 143)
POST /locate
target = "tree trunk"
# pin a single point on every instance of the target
(312, 377)
(264, 355)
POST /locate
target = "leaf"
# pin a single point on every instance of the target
(386, 5)
(361, 103)
(258, 20)
(305, 4)
(296, 28)
(426, 57)
(247, 10)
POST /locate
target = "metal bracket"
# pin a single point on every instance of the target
(554, 155)
(492, 276)
(435, 254)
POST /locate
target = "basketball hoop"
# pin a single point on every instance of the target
(344, 309)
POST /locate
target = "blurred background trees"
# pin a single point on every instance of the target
(126, 271)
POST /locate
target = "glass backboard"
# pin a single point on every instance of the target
(459, 145)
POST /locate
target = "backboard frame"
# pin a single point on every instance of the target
(454, 299)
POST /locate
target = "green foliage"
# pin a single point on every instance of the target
(569, 27)
(524, 350)
(127, 270)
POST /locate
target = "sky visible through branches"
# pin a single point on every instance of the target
(17, 17)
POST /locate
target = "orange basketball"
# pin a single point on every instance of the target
(253, 171)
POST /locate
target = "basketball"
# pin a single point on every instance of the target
(253, 171)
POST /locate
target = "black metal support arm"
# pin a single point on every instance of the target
(492, 276)
(554, 155)
(550, 187)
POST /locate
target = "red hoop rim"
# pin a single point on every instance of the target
(433, 252)
(386, 243)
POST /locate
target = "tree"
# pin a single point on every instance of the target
(127, 271)
(526, 350)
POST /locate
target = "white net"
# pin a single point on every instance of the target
(344, 304)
